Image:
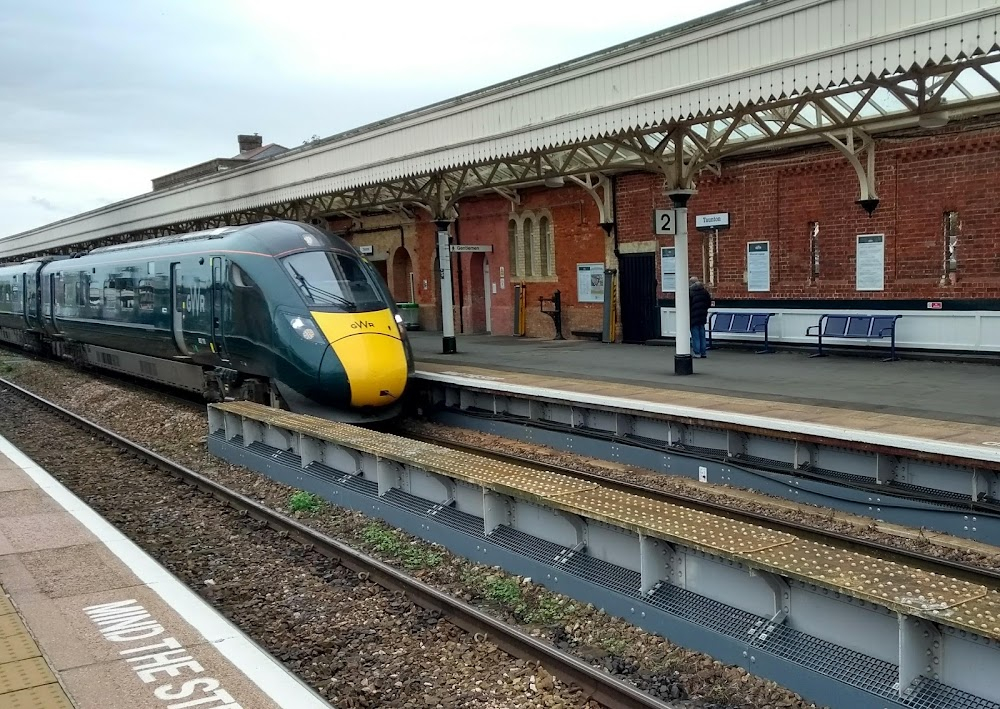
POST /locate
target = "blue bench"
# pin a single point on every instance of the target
(739, 324)
(857, 327)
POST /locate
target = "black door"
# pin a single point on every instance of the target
(218, 309)
(640, 316)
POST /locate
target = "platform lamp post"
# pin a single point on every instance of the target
(448, 344)
(683, 363)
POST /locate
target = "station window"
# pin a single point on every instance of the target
(527, 237)
(813, 251)
(532, 245)
(952, 228)
(512, 250)
(544, 247)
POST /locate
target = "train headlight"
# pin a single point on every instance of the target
(305, 328)
(399, 319)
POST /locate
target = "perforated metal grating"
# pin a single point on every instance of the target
(855, 669)
(721, 618)
(336, 477)
(928, 694)
(580, 564)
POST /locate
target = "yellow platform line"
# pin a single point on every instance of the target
(26, 680)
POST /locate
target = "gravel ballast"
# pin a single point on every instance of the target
(354, 642)
(685, 678)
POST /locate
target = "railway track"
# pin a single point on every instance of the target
(597, 685)
(975, 574)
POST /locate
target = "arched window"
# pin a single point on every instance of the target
(512, 246)
(544, 258)
(529, 235)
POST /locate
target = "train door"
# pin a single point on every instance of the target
(178, 307)
(24, 299)
(218, 308)
(49, 304)
(32, 299)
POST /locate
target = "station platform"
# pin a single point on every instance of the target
(940, 409)
(89, 621)
(940, 391)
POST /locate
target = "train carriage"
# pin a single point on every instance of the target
(277, 312)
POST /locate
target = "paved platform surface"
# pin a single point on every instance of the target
(88, 620)
(938, 391)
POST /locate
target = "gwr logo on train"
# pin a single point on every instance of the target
(362, 324)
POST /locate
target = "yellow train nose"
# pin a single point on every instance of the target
(371, 352)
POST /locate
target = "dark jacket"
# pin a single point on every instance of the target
(701, 301)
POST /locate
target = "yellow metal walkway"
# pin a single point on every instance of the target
(901, 587)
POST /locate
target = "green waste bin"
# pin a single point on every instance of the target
(411, 315)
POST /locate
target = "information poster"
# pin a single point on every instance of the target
(590, 282)
(759, 266)
(668, 268)
(870, 262)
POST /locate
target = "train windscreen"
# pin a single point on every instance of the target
(330, 280)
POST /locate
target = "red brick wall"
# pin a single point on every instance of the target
(776, 198)
(578, 239)
(484, 221)
(773, 198)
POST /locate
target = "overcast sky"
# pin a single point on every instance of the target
(99, 97)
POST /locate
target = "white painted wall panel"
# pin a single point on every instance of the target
(949, 331)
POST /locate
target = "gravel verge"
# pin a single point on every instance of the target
(687, 678)
(356, 643)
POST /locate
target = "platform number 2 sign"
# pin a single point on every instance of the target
(664, 222)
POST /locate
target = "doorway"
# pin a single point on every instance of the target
(640, 321)
(479, 294)
(382, 266)
(402, 276)
(487, 284)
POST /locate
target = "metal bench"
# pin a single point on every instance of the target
(739, 324)
(857, 327)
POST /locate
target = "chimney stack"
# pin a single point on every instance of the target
(249, 142)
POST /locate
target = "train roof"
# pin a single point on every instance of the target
(271, 237)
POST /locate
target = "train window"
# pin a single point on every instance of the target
(240, 278)
(146, 294)
(328, 279)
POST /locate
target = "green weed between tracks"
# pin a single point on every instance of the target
(390, 542)
(529, 604)
(303, 501)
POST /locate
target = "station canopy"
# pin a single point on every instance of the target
(763, 75)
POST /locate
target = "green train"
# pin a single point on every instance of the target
(278, 312)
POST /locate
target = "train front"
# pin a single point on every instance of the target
(365, 364)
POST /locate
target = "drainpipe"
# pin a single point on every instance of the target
(614, 210)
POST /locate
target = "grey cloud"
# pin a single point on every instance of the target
(162, 80)
(45, 204)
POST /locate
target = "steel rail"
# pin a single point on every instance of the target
(949, 567)
(596, 684)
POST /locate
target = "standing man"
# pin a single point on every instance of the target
(701, 301)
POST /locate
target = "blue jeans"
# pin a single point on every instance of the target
(698, 347)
